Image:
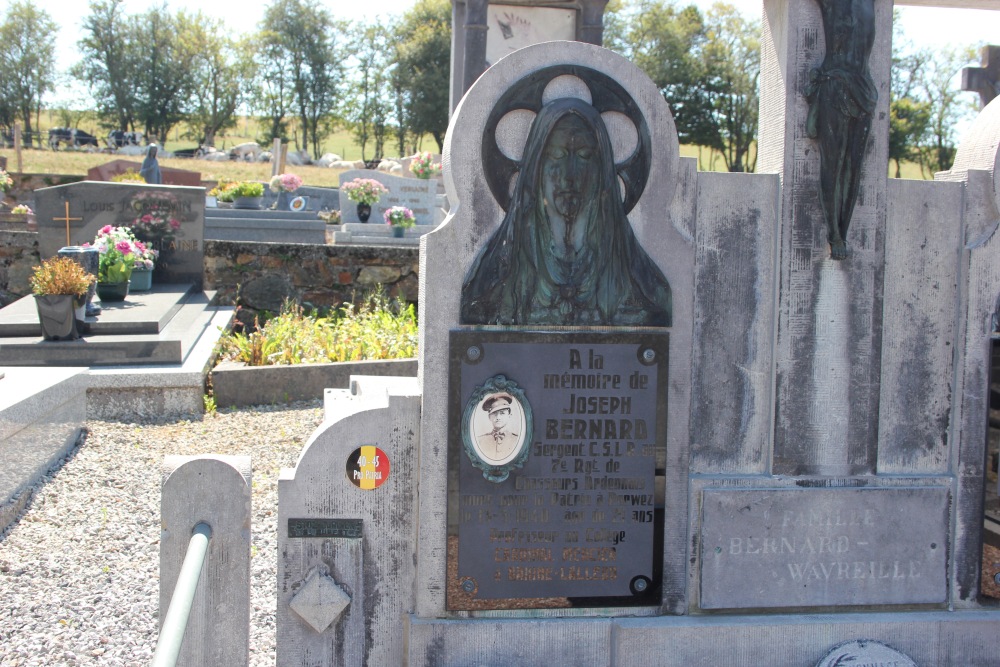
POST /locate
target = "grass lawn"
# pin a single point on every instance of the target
(342, 142)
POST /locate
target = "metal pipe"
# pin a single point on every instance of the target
(168, 646)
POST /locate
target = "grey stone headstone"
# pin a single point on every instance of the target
(663, 225)
(418, 195)
(90, 205)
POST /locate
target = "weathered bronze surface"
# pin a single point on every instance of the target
(842, 98)
(565, 252)
(582, 518)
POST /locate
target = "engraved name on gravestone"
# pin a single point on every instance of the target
(170, 218)
(577, 518)
(416, 194)
(824, 547)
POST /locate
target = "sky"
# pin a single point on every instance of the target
(924, 26)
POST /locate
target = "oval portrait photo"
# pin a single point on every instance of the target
(498, 428)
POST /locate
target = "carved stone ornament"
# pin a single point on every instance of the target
(577, 151)
(320, 601)
(864, 652)
(497, 428)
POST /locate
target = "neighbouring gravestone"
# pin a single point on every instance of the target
(709, 396)
(171, 176)
(984, 79)
(491, 30)
(416, 194)
(171, 218)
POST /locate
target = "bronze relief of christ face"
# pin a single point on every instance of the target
(568, 180)
(565, 252)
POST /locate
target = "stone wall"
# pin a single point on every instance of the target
(18, 253)
(262, 275)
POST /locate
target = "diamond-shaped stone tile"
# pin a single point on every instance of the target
(320, 601)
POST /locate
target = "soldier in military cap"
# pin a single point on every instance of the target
(501, 440)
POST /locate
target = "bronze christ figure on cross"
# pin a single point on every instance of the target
(842, 98)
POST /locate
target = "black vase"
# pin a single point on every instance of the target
(90, 259)
(364, 212)
(112, 291)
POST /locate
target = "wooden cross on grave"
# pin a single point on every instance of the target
(984, 80)
(67, 220)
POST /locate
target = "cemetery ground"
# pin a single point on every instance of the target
(79, 571)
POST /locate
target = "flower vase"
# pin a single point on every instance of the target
(141, 280)
(364, 212)
(90, 259)
(398, 232)
(284, 199)
(251, 203)
(112, 291)
(57, 316)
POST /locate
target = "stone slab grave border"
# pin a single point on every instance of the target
(235, 384)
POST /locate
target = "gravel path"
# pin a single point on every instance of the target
(79, 573)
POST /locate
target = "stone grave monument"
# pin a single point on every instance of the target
(163, 326)
(416, 194)
(491, 30)
(668, 417)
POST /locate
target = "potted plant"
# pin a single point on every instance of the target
(423, 166)
(401, 219)
(116, 246)
(60, 288)
(128, 176)
(247, 194)
(364, 191)
(142, 270)
(283, 185)
(222, 193)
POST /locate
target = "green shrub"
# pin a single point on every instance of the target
(247, 189)
(377, 329)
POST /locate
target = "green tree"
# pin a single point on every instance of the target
(220, 76)
(909, 120)
(731, 57)
(369, 106)
(668, 44)
(165, 79)
(944, 97)
(110, 58)
(304, 39)
(424, 60)
(27, 60)
(274, 95)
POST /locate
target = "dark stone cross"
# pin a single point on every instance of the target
(984, 80)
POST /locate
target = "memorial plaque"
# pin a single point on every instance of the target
(325, 528)
(554, 444)
(824, 547)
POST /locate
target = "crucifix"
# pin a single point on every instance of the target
(984, 80)
(67, 220)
